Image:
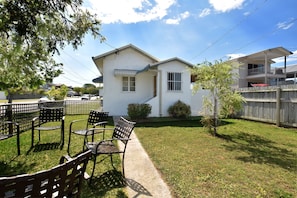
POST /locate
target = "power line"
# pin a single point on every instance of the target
(71, 72)
(260, 37)
(229, 30)
(73, 57)
(109, 45)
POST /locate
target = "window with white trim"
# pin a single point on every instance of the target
(128, 83)
(174, 81)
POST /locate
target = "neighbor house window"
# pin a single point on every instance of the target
(128, 83)
(174, 81)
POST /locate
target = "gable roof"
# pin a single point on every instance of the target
(117, 50)
(171, 60)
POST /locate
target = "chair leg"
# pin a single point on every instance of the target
(32, 137)
(68, 147)
(111, 161)
(95, 157)
(123, 163)
(84, 144)
(62, 140)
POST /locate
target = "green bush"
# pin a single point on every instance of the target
(139, 111)
(57, 93)
(179, 110)
(208, 122)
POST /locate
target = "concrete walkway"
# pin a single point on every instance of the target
(143, 180)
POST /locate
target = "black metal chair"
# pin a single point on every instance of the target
(10, 129)
(49, 119)
(95, 119)
(63, 180)
(121, 132)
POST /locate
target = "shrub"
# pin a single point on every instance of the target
(57, 93)
(179, 110)
(207, 121)
(139, 111)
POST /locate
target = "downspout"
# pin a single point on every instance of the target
(160, 92)
(285, 69)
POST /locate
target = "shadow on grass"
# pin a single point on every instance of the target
(262, 151)
(113, 179)
(167, 121)
(7, 169)
(44, 147)
(109, 180)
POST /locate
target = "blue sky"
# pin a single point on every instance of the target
(193, 30)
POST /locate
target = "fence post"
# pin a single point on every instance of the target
(277, 107)
(9, 117)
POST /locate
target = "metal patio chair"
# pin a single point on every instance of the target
(121, 132)
(49, 119)
(63, 180)
(95, 119)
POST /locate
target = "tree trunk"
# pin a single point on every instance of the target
(215, 114)
(9, 112)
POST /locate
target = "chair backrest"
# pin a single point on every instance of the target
(64, 180)
(123, 129)
(51, 114)
(97, 116)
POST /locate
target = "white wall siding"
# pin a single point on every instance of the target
(170, 97)
(154, 102)
(115, 100)
(197, 102)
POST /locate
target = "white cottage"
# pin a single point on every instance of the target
(130, 75)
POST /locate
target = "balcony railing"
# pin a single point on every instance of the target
(255, 71)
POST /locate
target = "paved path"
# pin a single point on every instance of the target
(142, 177)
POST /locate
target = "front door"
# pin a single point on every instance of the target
(155, 86)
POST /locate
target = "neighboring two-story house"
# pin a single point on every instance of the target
(255, 69)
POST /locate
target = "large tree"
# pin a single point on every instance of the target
(223, 101)
(32, 32)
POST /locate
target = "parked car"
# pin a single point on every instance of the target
(44, 99)
(86, 97)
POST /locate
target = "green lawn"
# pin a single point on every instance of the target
(250, 159)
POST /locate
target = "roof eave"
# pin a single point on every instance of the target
(117, 50)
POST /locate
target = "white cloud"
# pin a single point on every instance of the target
(233, 56)
(176, 21)
(285, 25)
(291, 58)
(205, 12)
(130, 11)
(246, 13)
(226, 5)
(172, 21)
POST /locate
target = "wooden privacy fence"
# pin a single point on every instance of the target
(277, 105)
